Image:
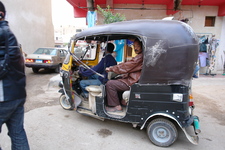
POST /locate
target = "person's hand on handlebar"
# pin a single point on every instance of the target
(107, 69)
(81, 68)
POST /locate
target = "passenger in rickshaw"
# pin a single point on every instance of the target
(131, 71)
(93, 79)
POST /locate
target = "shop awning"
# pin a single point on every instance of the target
(80, 6)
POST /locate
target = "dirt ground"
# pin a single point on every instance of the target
(50, 127)
(209, 103)
(209, 95)
(208, 92)
(39, 91)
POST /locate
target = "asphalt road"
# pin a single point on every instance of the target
(39, 91)
(49, 127)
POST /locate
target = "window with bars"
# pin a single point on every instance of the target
(210, 21)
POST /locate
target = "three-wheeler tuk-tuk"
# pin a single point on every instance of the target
(161, 101)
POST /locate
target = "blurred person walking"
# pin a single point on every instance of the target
(12, 86)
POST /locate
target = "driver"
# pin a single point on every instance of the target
(93, 79)
(131, 71)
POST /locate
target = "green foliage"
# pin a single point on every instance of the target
(109, 17)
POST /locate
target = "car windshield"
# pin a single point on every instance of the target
(46, 51)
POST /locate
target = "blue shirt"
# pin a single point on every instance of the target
(107, 61)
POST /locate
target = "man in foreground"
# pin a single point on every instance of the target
(12, 87)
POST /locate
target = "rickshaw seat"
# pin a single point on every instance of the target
(94, 90)
(126, 96)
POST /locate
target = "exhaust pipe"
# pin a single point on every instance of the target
(196, 125)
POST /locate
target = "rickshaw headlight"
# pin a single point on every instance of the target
(66, 74)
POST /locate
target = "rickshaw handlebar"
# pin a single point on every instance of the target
(85, 66)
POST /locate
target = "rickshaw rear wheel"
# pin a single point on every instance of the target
(64, 102)
(162, 132)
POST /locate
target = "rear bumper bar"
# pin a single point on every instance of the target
(49, 66)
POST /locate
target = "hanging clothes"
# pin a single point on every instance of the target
(91, 18)
(213, 43)
(119, 50)
(203, 55)
(203, 46)
(203, 59)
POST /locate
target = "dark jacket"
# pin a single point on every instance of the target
(107, 61)
(12, 86)
(131, 70)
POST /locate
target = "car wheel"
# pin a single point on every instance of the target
(64, 102)
(35, 70)
(57, 69)
(162, 132)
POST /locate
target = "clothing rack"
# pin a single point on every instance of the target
(204, 33)
(208, 35)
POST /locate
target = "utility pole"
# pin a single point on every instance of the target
(90, 5)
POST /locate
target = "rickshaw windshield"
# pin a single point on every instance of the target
(84, 50)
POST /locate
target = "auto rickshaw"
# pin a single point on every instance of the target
(161, 101)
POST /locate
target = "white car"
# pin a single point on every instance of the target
(47, 58)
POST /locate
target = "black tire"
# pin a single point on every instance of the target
(162, 132)
(35, 70)
(64, 102)
(57, 69)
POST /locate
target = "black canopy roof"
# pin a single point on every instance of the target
(170, 47)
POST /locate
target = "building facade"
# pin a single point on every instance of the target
(205, 17)
(197, 16)
(31, 22)
(63, 34)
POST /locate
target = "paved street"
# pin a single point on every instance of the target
(49, 127)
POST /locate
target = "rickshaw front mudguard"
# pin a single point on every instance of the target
(193, 121)
(67, 89)
(61, 91)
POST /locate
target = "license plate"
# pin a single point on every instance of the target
(38, 61)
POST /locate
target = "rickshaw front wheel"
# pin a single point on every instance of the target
(162, 132)
(64, 102)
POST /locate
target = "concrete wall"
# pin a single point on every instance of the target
(195, 14)
(31, 22)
